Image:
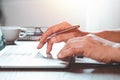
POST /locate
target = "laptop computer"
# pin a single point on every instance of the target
(24, 54)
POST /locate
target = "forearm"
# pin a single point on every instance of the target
(110, 35)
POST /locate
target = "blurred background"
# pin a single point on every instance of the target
(92, 15)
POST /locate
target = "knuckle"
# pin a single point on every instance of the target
(86, 54)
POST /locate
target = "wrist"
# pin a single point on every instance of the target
(115, 54)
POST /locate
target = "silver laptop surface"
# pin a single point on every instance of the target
(25, 55)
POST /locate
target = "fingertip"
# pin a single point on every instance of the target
(39, 46)
(48, 51)
(60, 55)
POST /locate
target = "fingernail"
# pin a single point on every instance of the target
(39, 46)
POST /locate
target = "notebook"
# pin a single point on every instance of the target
(24, 54)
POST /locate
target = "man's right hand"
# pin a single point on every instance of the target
(58, 38)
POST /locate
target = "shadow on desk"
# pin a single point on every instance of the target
(95, 68)
(75, 72)
(80, 68)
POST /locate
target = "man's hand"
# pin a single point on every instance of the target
(87, 46)
(61, 37)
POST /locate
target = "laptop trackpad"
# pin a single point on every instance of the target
(55, 50)
(29, 62)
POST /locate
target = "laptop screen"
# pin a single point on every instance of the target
(2, 41)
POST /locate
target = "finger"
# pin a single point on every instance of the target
(53, 40)
(54, 29)
(51, 30)
(40, 45)
(49, 46)
(64, 37)
(65, 53)
(69, 51)
(43, 39)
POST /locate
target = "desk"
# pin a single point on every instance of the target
(75, 72)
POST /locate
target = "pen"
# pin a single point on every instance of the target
(65, 30)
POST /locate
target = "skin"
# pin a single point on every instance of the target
(61, 37)
(88, 47)
(76, 38)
